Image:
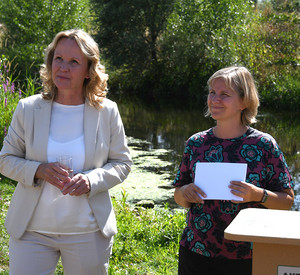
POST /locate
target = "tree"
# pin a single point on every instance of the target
(202, 36)
(129, 30)
(30, 25)
(165, 47)
(273, 53)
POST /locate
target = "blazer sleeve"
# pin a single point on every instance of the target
(118, 164)
(12, 156)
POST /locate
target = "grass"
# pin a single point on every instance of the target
(147, 242)
(7, 189)
(148, 239)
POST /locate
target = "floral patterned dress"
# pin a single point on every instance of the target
(267, 168)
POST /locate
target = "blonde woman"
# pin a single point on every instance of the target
(232, 102)
(53, 214)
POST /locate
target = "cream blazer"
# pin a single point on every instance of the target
(107, 159)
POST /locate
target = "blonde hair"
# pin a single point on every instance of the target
(95, 87)
(240, 80)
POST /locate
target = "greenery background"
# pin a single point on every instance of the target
(160, 53)
(163, 52)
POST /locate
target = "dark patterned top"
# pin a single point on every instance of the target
(267, 168)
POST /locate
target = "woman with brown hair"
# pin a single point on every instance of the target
(232, 102)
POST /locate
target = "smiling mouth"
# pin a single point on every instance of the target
(216, 107)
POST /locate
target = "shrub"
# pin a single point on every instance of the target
(10, 94)
(28, 26)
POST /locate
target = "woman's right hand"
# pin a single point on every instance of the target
(53, 174)
(188, 194)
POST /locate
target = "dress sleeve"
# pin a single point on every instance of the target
(184, 173)
(276, 174)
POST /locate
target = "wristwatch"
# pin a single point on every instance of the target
(265, 196)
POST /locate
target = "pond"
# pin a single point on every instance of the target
(168, 130)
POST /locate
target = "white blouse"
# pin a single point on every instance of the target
(57, 213)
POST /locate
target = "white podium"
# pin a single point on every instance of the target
(276, 239)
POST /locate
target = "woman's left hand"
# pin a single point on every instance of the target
(248, 192)
(78, 186)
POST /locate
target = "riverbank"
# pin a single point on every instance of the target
(148, 239)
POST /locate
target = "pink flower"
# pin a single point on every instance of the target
(12, 88)
(4, 87)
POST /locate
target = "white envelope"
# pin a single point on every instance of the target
(214, 178)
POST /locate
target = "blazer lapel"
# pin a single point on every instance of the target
(90, 126)
(42, 115)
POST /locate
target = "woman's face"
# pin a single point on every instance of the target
(69, 67)
(223, 103)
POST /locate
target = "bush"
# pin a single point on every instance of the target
(270, 49)
(28, 26)
(10, 94)
(6, 191)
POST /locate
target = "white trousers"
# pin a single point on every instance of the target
(38, 254)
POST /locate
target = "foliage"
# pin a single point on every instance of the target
(9, 98)
(202, 37)
(30, 25)
(279, 74)
(284, 5)
(194, 38)
(10, 94)
(163, 52)
(270, 49)
(147, 240)
(131, 46)
(6, 191)
(133, 39)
